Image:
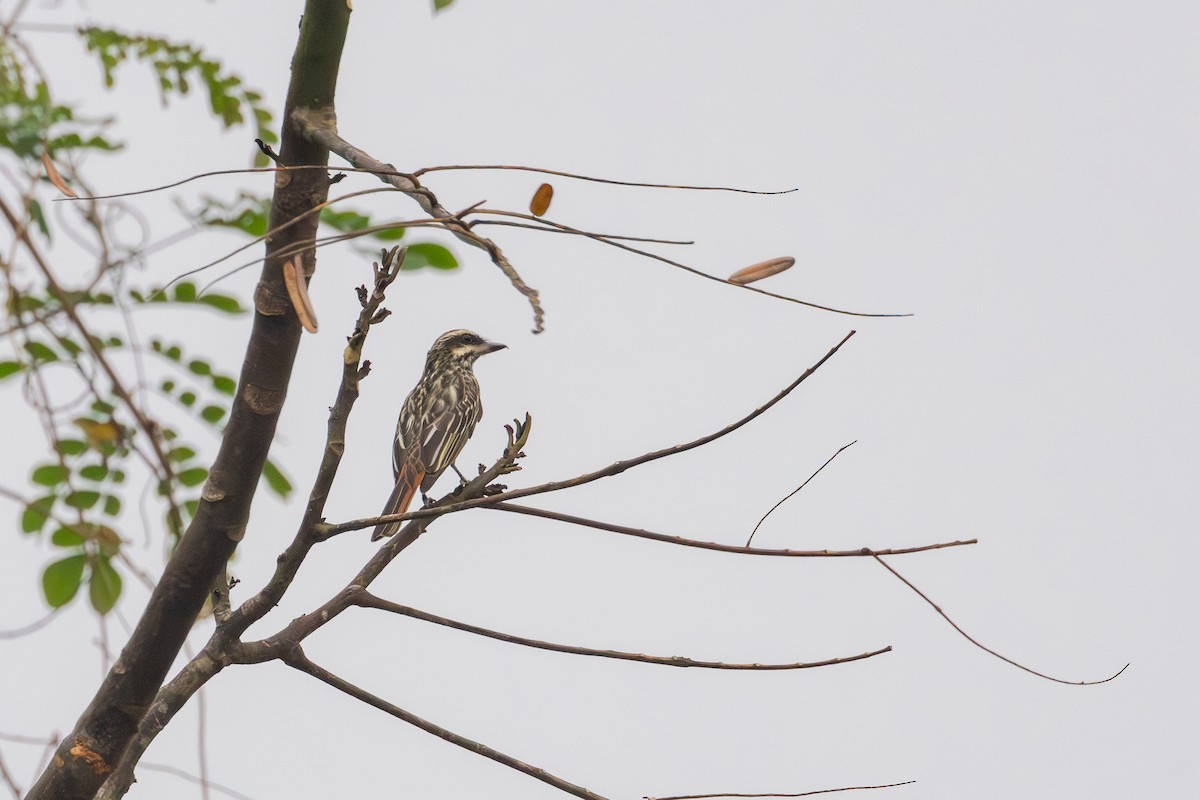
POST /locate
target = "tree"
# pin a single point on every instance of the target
(307, 137)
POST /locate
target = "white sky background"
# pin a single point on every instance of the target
(1020, 176)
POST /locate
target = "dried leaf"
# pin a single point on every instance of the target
(763, 269)
(55, 178)
(297, 289)
(540, 203)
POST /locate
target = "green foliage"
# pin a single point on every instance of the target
(251, 214)
(247, 213)
(60, 580)
(31, 123)
(276, 480)
(441, 5)
(177, 66)
(104, 588)
(185, 292)
(428, 254)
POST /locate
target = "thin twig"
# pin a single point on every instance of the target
(213, 173)
(794, 491)
(776, 794)
(984, 648)
(544, 229)
(317, 209)
(314, 244)
(204, 783)
(25, 630)
(578, 177)
(612, 469)
(17, 738)
(368, 600)
(299, 661)
(724, 548)
(685, 267)
(7, 777)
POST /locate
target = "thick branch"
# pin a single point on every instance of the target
(297, 659)
(606, 472)
(368, 600)
(101, 736)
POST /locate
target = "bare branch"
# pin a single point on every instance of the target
(204, 783)
(368, 600)
(578, 177)
(794, 491)
(320, 126)
(570, 232)
(353, 372)
(299, 661)
(794, 794)
(8, 780)
(25, 630)
(724, 548)
(684, 267)
(612, 469)
(968, 637)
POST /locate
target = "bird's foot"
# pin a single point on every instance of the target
(494, 489)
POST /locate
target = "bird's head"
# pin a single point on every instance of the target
(461, 345)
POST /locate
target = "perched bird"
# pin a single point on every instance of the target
(436, 420)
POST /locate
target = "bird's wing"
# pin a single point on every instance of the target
(448, 424)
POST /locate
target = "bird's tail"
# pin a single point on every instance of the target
(407, 483)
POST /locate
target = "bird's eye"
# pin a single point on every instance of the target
(468, 339)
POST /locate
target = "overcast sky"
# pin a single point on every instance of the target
(1021, 177)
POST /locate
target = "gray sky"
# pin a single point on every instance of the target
(1020, 176)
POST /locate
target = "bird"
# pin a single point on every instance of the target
(436, 420)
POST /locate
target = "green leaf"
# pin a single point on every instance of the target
(82, 499)
(187, 398)
(428, 254)
(40, 351)
(224, 384)
(185, 292)
(39, 217)
(67, 537)
(276, 480)
(71, 447)
(105, 586)
(193, 477)
(390, 234)
(60, 580)
(212, 414)
(222, 302)
(94, 472)
(198, 367)
(112, 505)
(344, 221)
(10, 368)
(441, 5)
(34, 517)
(50, 474)
(181, 454)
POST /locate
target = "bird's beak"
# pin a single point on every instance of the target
(491, 347)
